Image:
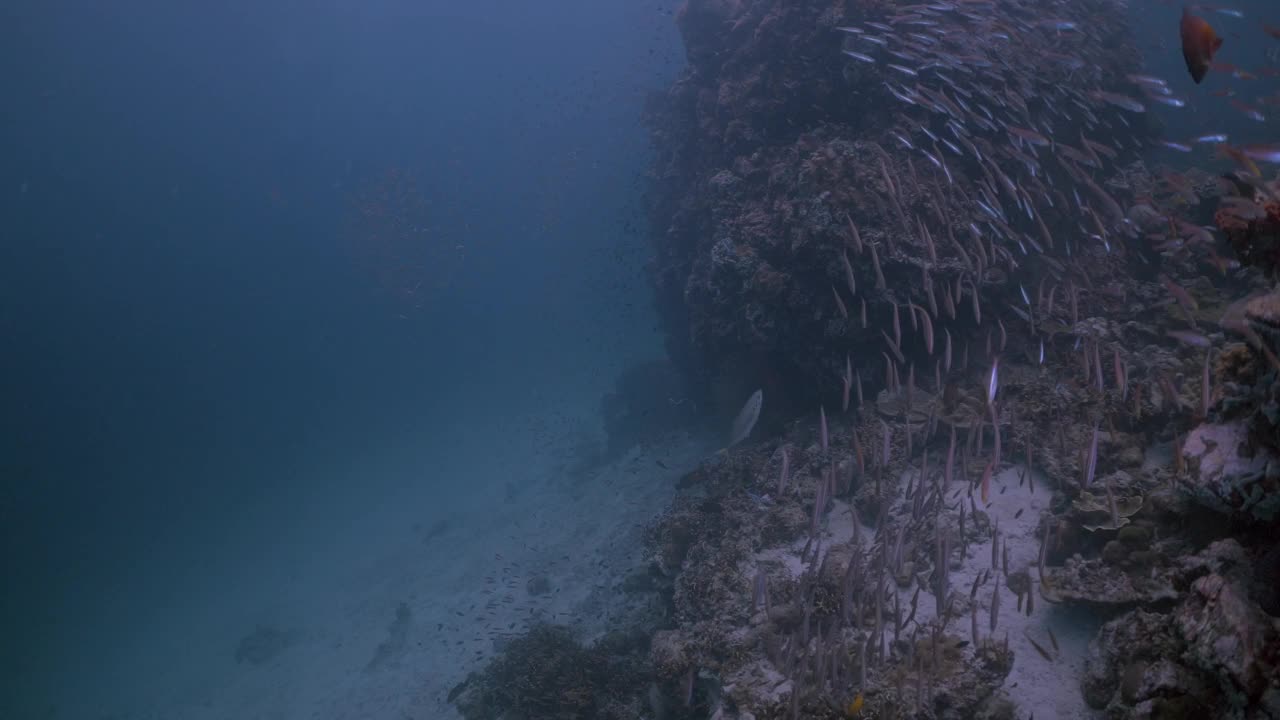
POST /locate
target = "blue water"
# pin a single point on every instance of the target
(1208, 110)
(213, 402)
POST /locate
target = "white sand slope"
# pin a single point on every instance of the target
(1049, 689)
(384, 596)
(464, 597)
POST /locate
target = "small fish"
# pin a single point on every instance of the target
(995, 606)
(1199, 43)
(1039, 648)
(986, 481)
(1030, 136)
(1091, 460)
(1179, 293)
(746, 419)
(1204, 387)
(859, 56)
(1121, 101)
(1240, 158)
(1170, 100)
(848, 384)
(1121, 375)
(1249, 111)
(993, 382)
(1262, 153)
(1149, 81)
(1190, 338)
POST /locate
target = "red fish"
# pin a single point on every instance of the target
(1199, 43)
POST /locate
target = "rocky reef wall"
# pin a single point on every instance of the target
(1018, 451)
(774, 149)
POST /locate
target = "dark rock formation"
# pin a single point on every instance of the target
(547, 673)
(1213, 655)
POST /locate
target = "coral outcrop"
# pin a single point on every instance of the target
(983, 352)
(1213, 655)
(776, 160)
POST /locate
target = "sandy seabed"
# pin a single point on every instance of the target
(382, 614)
(371, 607)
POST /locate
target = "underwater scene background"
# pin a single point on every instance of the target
(702, 359)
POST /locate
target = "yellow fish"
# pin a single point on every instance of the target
(855, 706)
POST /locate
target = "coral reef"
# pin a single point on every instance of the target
(1229, 474)
(1133, 670)
(1251, 224)
(776, 160)
(1235, 454)
(781, 617)
(1214, 655)
(990, 390)
(546, 673)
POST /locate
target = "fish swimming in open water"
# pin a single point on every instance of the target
(1199, 43)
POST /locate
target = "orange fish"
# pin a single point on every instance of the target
(1199, 43)
(1239, 157)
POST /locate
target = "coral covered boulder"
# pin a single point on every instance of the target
(1230, 474)
(1227, 634)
